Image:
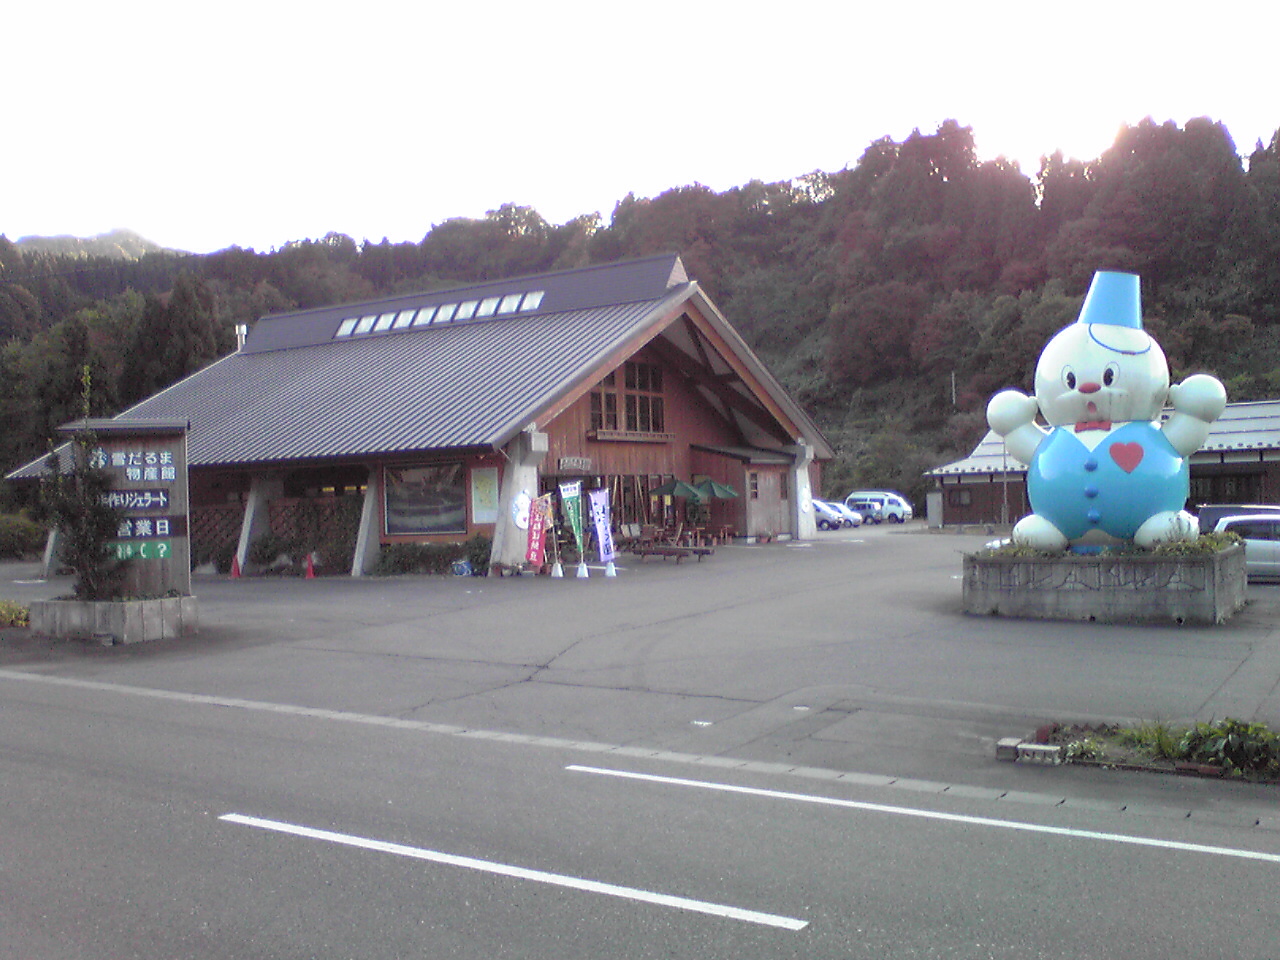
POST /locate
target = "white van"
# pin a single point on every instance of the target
(1261, 535)
(886, 505)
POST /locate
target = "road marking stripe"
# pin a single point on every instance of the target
(521, 873)
(932, 814)
(453, 730)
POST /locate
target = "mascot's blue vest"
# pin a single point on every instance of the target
(1132, 475)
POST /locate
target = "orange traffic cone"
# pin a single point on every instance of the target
(311, 568)
(235, 567)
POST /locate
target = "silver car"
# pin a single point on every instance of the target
(1261, 535)
(852, 518)
(826, 516)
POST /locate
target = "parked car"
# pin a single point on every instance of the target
(852, 518)
(1210, 513)
(893, 506)
(897, 509)
(826, 516)
(872, 510)
(1261, 535)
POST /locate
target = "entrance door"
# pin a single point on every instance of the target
(768, 510)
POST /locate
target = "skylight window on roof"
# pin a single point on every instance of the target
(444, 313)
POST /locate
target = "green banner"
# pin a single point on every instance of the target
(571, 504)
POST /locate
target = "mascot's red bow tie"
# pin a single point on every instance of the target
(1093, 425)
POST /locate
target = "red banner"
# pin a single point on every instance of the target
(539, 520)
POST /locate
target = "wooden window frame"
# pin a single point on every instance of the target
(633, 409)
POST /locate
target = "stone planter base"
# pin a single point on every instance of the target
(124, 621)
(1108, 589)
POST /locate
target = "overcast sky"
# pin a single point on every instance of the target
(203, 125)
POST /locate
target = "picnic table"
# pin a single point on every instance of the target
(655, 541)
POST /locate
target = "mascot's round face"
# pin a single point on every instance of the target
(1096, 372)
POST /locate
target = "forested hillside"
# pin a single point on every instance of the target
(893, 298)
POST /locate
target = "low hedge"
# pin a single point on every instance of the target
(433, 558)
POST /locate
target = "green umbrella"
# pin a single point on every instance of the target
(714, 490)
(678, 488)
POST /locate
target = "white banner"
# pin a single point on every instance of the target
(600, 516)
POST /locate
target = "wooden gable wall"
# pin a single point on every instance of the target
(688, 421)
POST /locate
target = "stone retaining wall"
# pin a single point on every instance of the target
(1106, 588)
(122, 621)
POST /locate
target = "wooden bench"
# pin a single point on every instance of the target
(627, 535)
(663, 550)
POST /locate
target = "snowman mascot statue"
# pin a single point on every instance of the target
(1106, 470)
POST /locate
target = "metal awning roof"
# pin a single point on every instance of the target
(301, 391)
(1247, 426)
(747, 454)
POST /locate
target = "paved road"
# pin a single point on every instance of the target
(849, 652)
(805, 733)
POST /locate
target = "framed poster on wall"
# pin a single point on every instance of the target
(484, 495)
(424, 500)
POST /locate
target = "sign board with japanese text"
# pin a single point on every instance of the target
(146, 461)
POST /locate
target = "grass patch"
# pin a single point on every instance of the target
(1206, 544)
(1235, 747)
(14, 614)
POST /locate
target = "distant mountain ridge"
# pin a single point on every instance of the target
(117, 244)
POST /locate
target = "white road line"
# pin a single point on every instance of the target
(521, 873)
(472, 733)
(933, 814)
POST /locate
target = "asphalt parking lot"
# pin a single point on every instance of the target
(848, 652)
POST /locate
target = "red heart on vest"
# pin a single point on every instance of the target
(1126, 455)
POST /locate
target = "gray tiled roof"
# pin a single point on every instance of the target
(296, 392)
(633, 281)
(1247, 426)
(469, 385)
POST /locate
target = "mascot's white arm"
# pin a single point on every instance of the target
(1197, 402)
(1012, 415)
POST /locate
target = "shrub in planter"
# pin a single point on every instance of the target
(1237, 745)
(433, 558)
(478, 550)
(76, 504)
(267, 549)
(219, 555)
(400, 558)
(13, 614)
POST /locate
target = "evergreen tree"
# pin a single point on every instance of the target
(76, 502)
(173, 339)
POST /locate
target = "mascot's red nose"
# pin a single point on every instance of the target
(1089, 388)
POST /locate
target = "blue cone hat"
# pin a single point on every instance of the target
(1114, 299)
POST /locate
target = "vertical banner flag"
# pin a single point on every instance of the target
(600, 517)
(539, 520)
(571, 504)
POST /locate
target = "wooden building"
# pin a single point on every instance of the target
(433, 417)
(1239, 463)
